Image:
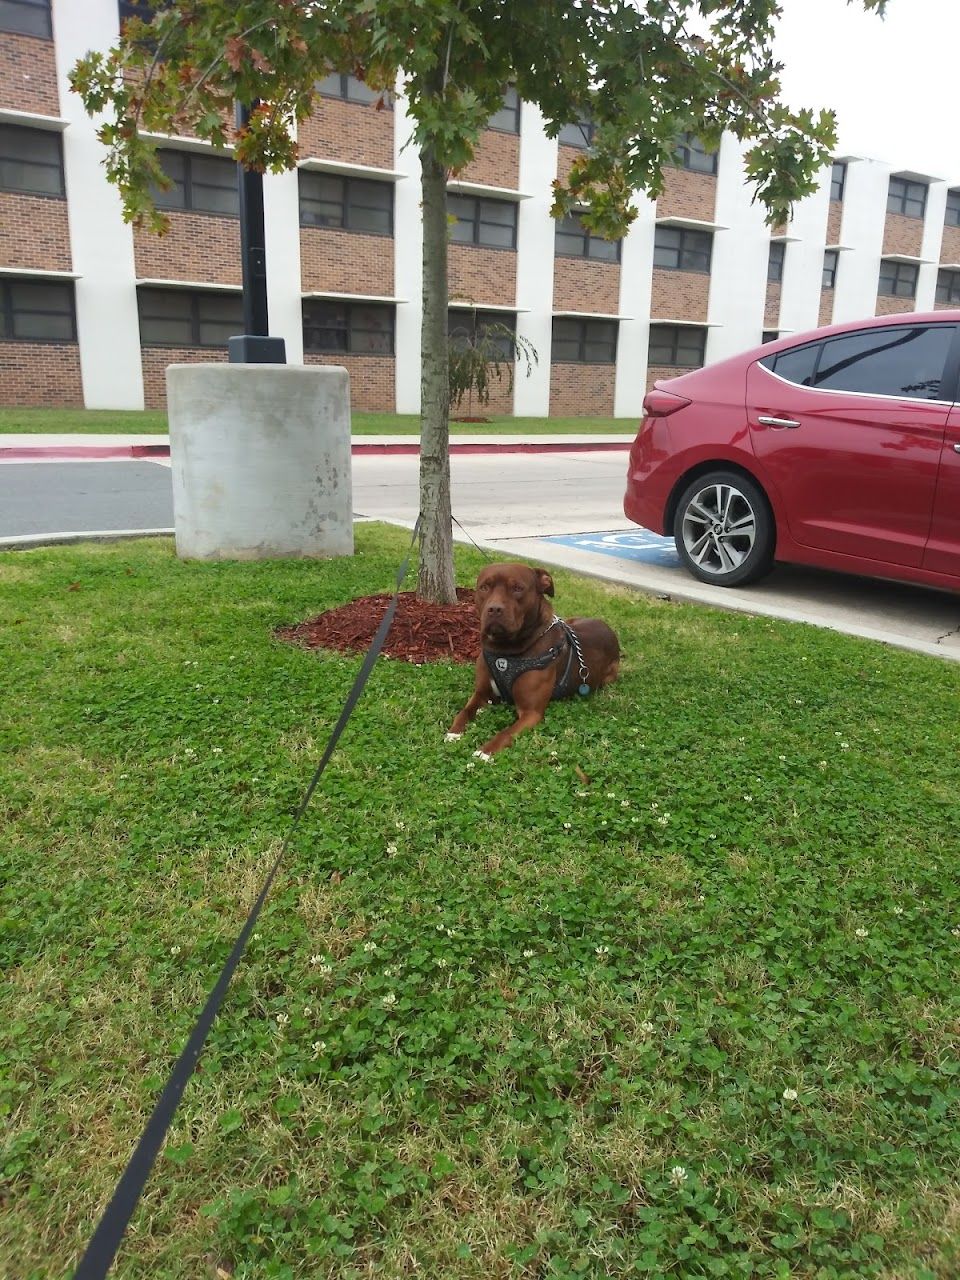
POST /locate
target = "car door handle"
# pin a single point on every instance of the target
(777, 422)
(956, 448)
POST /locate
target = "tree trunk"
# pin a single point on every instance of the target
(436, 579)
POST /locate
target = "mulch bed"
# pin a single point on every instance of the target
(420, 632)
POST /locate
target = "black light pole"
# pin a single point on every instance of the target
(253, 346)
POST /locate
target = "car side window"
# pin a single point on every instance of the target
(905, 362)
(797, 365)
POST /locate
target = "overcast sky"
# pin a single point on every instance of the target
(893, 82)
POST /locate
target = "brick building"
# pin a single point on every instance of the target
(92, 311)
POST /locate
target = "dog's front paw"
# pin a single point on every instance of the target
(483, 755)
(452, 737)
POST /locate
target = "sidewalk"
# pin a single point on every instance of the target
(105, 448)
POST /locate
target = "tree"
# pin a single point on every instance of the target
(478, 350)
(643, 71)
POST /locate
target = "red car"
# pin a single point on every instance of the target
(838, 448)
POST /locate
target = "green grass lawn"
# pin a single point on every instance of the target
(130, 422)
(669, 989)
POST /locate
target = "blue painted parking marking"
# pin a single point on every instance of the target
(629, 544)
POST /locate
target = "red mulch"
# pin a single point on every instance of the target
(420, 632)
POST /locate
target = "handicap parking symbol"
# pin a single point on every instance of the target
(628, 544)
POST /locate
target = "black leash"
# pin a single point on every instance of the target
(489, 559)
(100, 1252)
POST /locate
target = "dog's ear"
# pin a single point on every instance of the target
(544, 582)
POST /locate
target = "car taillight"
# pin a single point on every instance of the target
(660, 404)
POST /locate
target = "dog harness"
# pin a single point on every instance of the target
(506, 668)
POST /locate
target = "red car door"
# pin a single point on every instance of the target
(850, 430)
(943, 548)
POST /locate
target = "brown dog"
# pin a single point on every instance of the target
(528, 654)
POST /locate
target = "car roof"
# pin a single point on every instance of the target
(946, 316)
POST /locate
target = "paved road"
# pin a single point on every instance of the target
(544, 507)
(62, 497)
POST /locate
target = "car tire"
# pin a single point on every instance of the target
(724, 529)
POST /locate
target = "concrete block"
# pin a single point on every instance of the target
(260, 457)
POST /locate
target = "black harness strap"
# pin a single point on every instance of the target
(505, 669)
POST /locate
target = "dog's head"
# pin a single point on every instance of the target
(510, 599)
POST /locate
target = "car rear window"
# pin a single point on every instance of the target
(796, 365)
(905, 362)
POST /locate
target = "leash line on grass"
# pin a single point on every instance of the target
(102, 1248)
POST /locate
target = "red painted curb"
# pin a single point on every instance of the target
(93, 452)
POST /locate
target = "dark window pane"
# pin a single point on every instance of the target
(26, 17)
(797, 365)
(830, 259)
(578, 134)
(604, 250)
(566, 351)
(357, 91)
(838, 180)
(906, 197)
(373, 221)
(332, 86)
(507, 118)
(166, 333)
(948, 287)
(692, 154)
(30, 161)
(45, 326)
(497, 237)
(899, 362)
(953, 209)
(897, 279)
(778, 252)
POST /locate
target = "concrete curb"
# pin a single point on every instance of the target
(115, 452)
(29, 541)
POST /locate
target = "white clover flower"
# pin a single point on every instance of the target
(898, 911)
(189, 751)
(216, 699)
(567, 826)
(798, 701)
(654, 805)
(844, 746)
(789, 1095)
(582, 794)
(863, 933)
(781, 757)
(678, 1175)
(282, 1019)
(315, 959)
(369, 946)
(602, 951)
(391, 850)
(318, 1047)
(307, 1011)
(389, 1000)
(647, 1028)
(955, 932)
(624, 804)
(216, 751)
(663, 820)
(701, 897)
(174, 950)
(399, 826)
(441, 963)
(611, 795)
(255, 937)
(527, 954)
(749, 799)
(822, 764)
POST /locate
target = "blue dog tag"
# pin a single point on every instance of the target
(583, 690)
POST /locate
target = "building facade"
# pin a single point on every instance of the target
(92, 311)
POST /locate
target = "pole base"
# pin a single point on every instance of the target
(248, 348)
